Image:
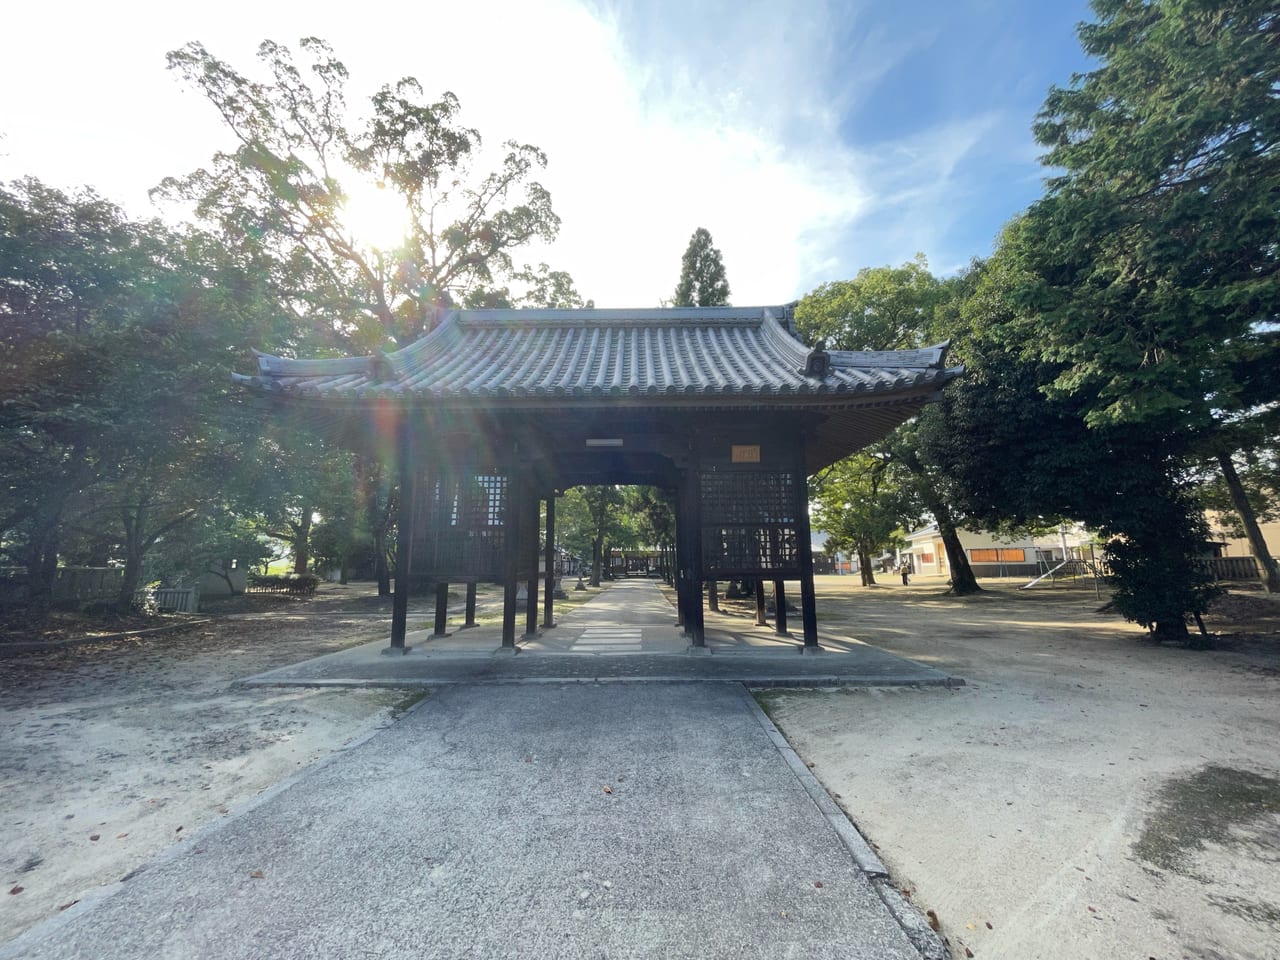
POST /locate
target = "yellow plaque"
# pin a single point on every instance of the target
(741, 453)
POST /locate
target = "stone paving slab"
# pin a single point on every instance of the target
(567, 820)
(578, 649)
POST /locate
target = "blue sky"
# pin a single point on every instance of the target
(811, 139)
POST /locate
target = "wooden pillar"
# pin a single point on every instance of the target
(531, 558)
(471, 606)
(549, 557)
(512, 529)
(678, 558)
(442, 610)
(691, 564)
(780, 608)
(405, 534)
(760, 618)
(804, 546)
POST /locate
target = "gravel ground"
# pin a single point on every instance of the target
(111, 752)
(1086, 794)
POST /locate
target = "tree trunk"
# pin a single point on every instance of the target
(381, 568)
(133, 549)
(963, 582)
(302, 542)
(1270, 573)
(864, 568)
(597, 560)
(41, 561)
(713, 596)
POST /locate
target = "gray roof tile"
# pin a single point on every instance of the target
(725, 354)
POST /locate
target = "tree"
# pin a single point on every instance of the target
(115, 412)
(1154, 257)
(593, 520)
(702, 277)
(897, 308)
(290, 194)
(1018, 455)
(860, 507)
(882, 308)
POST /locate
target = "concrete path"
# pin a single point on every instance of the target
(628, 634)
(553, 820)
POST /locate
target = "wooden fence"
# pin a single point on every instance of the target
(1234, 568)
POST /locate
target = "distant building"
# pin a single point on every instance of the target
(991, 555)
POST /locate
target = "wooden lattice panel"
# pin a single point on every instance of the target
(465, 533)
(749, 522)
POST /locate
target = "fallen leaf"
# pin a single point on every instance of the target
(809, 764)
(971, 926)
(179, 830)
(783, 914)
(989, 926)
(608, 789)
(968, 952)
(818, 884)
(121, 836)
(1091, 910)
(93, 836)
(15, 890)
(933, 920)
(68, 905)
(256, 875)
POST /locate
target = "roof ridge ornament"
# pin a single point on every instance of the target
(381, 368)
(818, 362)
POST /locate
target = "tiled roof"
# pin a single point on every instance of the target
(715, 355)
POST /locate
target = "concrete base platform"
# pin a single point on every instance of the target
(623, 635)
(488, 662)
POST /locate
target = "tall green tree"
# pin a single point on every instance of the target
(703, 282)
(303, 172)
(116, 412)
(896, 308)
(1156, 269)
(1017, 456)
(860, 506)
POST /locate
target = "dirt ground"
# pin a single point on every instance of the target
(109, 753)
(1086, 795)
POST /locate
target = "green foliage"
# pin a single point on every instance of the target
(651, 515)
(703, 282)
(893, 308)
(1154, 253)
(882, 308)
(862, 505)
(287, 197)
(116, 419)
(1145, 285)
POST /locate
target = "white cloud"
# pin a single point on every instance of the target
(657, 119)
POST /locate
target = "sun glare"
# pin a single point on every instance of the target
(375, 215)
